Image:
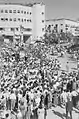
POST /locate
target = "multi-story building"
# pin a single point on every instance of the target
(63, 25)
(26, 20)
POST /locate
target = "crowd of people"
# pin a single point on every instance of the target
(30, 83)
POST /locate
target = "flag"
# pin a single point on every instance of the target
(22, 28)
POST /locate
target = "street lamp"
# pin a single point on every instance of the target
(78, 61)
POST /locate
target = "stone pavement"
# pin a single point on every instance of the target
(59, 113)
(66, 58)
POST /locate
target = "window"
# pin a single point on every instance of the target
(18, 19)
(25, 20)
(27, 12)
(66, 29)
(61, 30)
(1, 29)
(6, 11)
(66, 25)
(10, 19)
(14, 19)
(30, 20)
(10, 11)
(30, 13)
(14, 11)
(42, 21)
(42, 29)
(17, 29)
(42, 13)
(22, 20)
(21, 11)
(6, 19)
(2, 19)
(12, 29)
(24, 12)
(1, 11)
(56, 25)
(18, 11)
(28, 29)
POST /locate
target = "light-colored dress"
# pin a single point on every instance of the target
(69, 102)
(41, 113)
(19, 115)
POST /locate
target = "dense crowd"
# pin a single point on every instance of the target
(30, 82)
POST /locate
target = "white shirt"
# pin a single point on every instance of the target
(64, 96)
(1, 95)
(13, 96)
(32, 95)
(69, 96)
(20, 96)
(7, 94)
(37, 101)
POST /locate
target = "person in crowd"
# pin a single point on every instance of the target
(74, 84)
(69, 85)
(9, 102)
(22, 109)
(19, 115)
(69, 105)
(41, 111)
(67, 67)
(13, 98)
(55, 98)
(27, 83)
(29, 111)
(46, 100)
(35, 108)
(64, 97)
(16, 102)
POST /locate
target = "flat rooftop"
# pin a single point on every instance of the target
(23, 4)
(61, 19)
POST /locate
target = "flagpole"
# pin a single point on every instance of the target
(21, 31)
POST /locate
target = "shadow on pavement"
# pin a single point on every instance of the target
(62, 116)
(76, 110)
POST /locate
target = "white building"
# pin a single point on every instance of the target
(26, 20)
(63, 25)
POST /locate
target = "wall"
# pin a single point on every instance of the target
(38, 17)
(30, 20)
(15, 19)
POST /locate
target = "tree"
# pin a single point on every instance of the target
(51, 38)
(66, 36)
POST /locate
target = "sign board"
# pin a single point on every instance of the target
(22, 54)
(6, 40)
(78, 65)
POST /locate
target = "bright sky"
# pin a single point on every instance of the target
(55, 8)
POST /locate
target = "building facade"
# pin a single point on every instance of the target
(63, 25)
(26, 20)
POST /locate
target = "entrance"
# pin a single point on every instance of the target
(25, 38)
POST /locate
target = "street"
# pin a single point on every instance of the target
(71, 62)
(59, 113)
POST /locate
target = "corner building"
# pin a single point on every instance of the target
(26, 20)
(63, 25)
